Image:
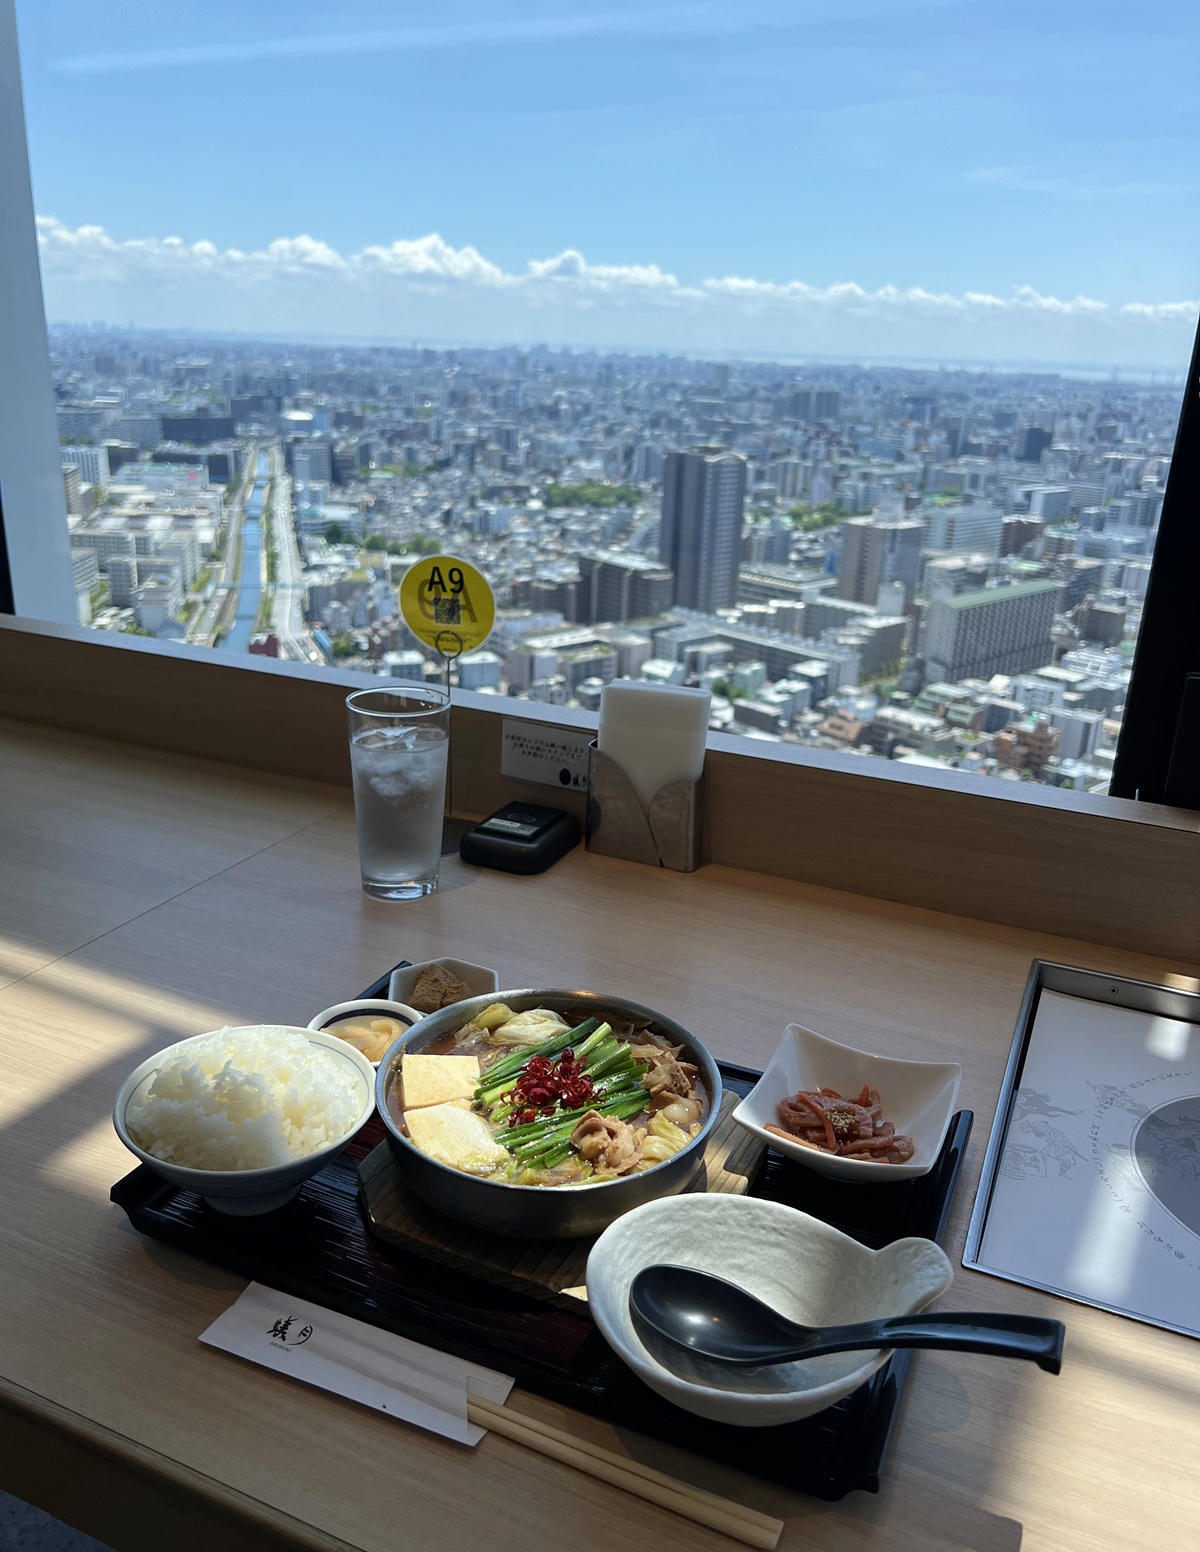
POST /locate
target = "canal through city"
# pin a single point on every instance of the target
(249, 582)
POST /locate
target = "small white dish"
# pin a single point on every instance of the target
(368, 1006)
(806, 1269)
(244, 1193)
(479, 980)
(918, 1098)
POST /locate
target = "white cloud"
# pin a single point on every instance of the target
(428, 287)
(426, 258)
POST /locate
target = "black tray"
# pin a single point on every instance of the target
(318, 1248)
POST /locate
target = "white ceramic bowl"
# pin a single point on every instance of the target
(368, 1006)
(479, 980)
(918, 1097)
(802, 1267)
(245, 1193)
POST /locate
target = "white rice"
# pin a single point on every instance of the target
(245, 1099)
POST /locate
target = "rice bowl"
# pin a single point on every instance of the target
(244, 1115)
(243, 1099)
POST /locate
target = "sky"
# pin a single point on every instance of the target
(985, 181)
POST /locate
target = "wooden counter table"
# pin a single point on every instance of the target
(147, 896)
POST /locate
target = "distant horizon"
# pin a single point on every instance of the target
(425, 288)
(1118, 372)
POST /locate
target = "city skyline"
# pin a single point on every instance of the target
(931, 181)
(941, 569)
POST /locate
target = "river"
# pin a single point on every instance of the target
(249, 582)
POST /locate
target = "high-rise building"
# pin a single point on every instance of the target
(1138, 509)
(1050, 502)
(198, 428)
(1032, 443)
(118, 455)
(142, 430)
(617, 586)
(995, 630)
(79, 420)
(969, 526)
(158, 599)
(874, 554)
(955, 429)
(766, 544)
(647, 462)
(788, 476)
(122, 579)
(107, 543)
(85, 570)
(700, 537)
(1018, 531)
(538, 595)
(312, 462)
(1082, 576)
(479, 671)
(92, 463)
(827, 404)
(1078, 731)
(72, 490)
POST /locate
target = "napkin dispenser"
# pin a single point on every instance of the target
(645, 769)
(668, 834)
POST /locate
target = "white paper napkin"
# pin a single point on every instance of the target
(322, 1348)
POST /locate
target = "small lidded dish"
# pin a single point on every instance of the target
(369, 1024)
(881, 1097)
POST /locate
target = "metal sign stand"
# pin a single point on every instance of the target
(450, 609)
(449, 645)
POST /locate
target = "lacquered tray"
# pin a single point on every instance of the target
(318, 1248)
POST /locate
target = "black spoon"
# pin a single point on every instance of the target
(716, 1319)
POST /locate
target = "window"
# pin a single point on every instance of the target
(830, 361)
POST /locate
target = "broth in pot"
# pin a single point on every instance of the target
(538, 1098)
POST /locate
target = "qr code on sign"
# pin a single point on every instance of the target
(447, 611)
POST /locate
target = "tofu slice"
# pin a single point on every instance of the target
(456, 1137)
(432, 1080)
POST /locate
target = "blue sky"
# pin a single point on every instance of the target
(971, 179)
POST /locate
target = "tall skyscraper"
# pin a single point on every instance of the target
(700, 539)
(997, 630)
(875, 553)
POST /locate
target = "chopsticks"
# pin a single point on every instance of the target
(745, 1525)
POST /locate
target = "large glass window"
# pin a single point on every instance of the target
(830, 357)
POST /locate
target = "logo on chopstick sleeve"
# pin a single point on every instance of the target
(281, 1332)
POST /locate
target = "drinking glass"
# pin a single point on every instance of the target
(399, 738)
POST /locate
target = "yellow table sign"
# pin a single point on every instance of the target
(447, 604)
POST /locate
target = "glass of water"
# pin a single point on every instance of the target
(399, 738)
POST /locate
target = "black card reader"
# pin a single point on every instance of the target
(521, 838)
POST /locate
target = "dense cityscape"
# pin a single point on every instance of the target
(941, 567)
